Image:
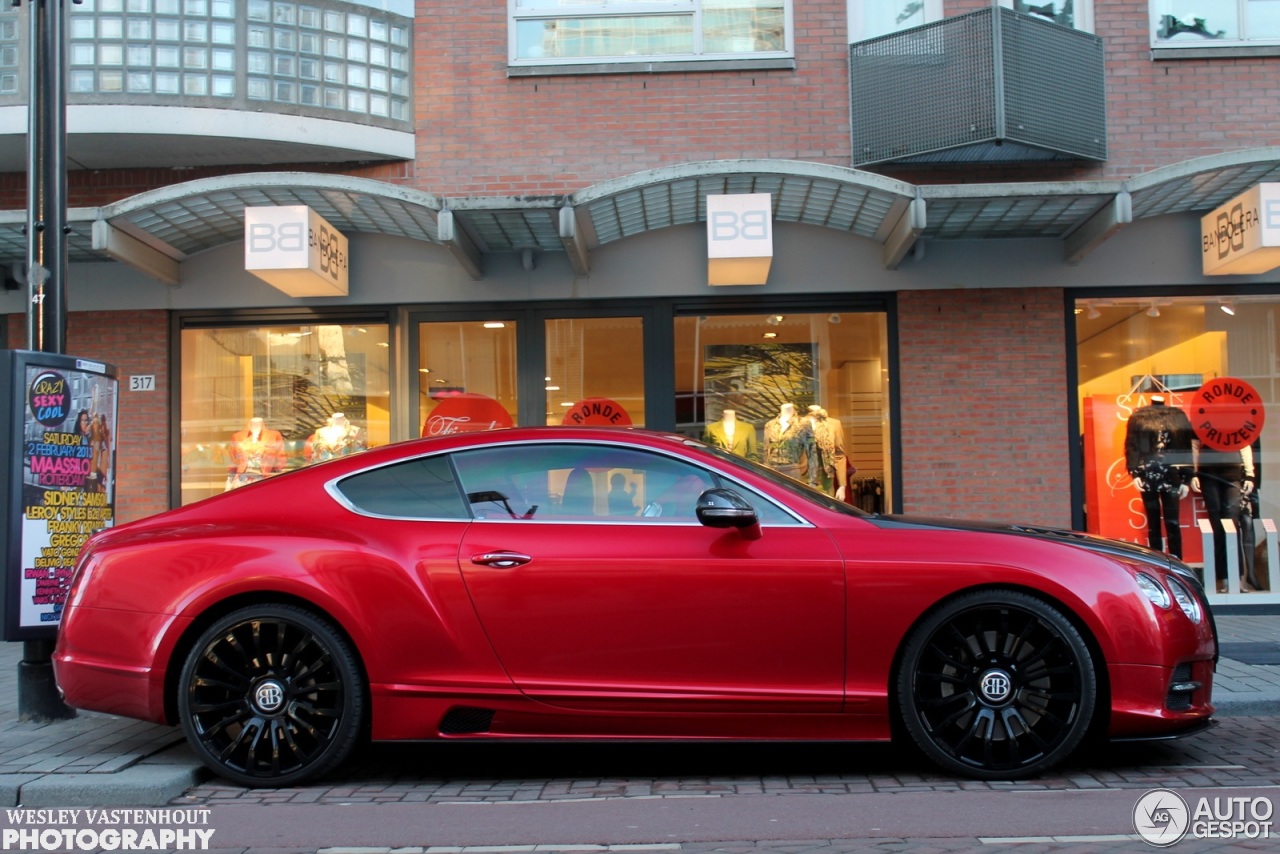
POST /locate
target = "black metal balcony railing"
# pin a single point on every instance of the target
(990, 86)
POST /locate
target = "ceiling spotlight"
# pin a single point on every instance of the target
(833, 319)
(1228, 306)
(771, 335)
(1154, 311)
(775, 319)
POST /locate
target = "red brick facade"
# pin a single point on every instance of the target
(982, 410)
(983, 373)
(136, 342)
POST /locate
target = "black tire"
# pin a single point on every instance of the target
(271, 695)
(997, 685)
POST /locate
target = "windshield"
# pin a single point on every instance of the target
(793, 486)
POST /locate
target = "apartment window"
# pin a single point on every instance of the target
(1077, 14)
(871, 18)
(1187, 24)
(569, 32)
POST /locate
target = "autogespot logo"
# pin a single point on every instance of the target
(1161, 817)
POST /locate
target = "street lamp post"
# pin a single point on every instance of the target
(46, 229)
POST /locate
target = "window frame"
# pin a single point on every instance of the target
(1209, 47)
(603, 10)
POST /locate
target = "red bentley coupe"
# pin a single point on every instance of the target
(562, 583)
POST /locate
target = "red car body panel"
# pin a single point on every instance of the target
(611, 630)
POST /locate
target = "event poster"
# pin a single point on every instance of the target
(61, 475)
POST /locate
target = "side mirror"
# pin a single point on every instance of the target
(723, 508)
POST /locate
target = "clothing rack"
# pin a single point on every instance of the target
(866, 493)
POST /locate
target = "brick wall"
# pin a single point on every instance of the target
(983, 390)
(480, 132)
(136, 342)
(483, 133)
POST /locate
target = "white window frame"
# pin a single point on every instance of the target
(606, 9)
(1159, 8)
(861, 30)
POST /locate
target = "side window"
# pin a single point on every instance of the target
(422, 488)
(580, 482)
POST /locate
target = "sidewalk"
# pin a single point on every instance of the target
(101, 760)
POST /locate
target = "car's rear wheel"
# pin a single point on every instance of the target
(271, 695)
(997, 685)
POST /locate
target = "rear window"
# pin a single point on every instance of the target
(422, 488)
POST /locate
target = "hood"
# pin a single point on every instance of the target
(1089, 542)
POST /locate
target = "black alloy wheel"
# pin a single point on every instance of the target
(997, 685)
(271, 695)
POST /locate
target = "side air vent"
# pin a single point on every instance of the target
(1181, 688)
(466, 720)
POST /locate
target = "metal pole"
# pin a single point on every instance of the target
(38, 697)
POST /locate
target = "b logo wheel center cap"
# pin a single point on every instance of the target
(996, 686)
(269, 696)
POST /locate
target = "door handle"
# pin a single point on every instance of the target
(500, 560)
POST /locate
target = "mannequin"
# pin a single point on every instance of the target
(1223, 478)
(830, 466)
(337, 438)
(256, 452)
(788, 443)
(1157, 453)
(734, 436)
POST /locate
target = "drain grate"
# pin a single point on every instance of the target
(1251, 653)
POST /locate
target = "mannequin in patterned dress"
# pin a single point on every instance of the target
(256, 452)
(337, 438)
(829, 465)
(788, 443)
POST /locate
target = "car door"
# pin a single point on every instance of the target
(599, 589)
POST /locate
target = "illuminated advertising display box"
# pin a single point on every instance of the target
(58, 471)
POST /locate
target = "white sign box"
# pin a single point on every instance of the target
(1243, 236)
(296, 250)
(739, 238)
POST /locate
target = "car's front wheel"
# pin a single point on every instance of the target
(997, 685)
(271, 695)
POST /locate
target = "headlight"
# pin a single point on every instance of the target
(1189, 604)
(1153, 590)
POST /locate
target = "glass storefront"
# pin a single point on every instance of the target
(804, 392)
(256, 401)
(748, 383)
(1173, 398)
(595, 371)
(467, 376)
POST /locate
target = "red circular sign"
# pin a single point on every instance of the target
(466, 412)
(596, 412)
(1227, 414)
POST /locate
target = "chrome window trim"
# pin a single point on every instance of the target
(332, 488)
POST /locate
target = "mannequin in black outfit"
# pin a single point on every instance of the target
(1157, 455)
(1224, 478)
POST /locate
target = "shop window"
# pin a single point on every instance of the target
(547, 32)
(805, 393)
(467, 377)
(595, 371)
(1173, 398)
(1183, 24)
(257, 401)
